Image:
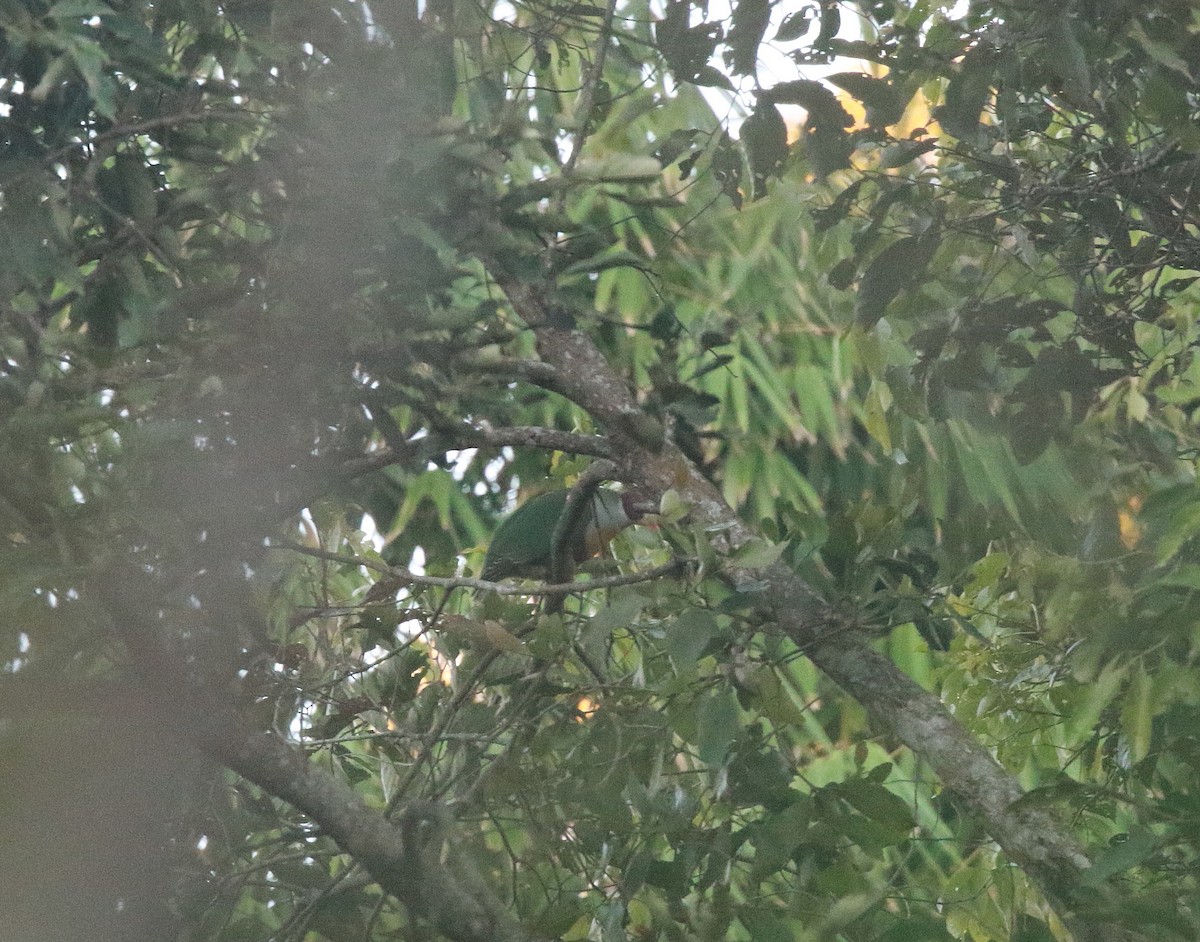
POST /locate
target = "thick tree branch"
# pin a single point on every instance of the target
(418, 859)
(1031, 837)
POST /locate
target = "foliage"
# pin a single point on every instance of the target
(924, 312)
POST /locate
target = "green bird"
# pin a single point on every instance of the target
(522, 545)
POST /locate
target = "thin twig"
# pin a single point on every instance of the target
(482, 436)
(152, 124)
(517, 368)
(404, 575)
(595, 72)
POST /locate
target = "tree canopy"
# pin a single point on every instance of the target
(889, 308)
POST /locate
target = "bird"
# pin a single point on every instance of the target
(522, 546)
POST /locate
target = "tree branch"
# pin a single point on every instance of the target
(418, 859)
(402, 576)
(520, 436)
(534, 436)
(1030, 836)
(587, 96)
(535, 372)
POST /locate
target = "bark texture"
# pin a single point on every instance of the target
(1030, 836)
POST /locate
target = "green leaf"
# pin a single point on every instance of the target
(895, 268)
(773, 699)
(1137, 715)
(1068, 58)
(619, 258)
(717, 725)
(917, 927)
(619, 168)
(1098, 694)
(298, 873)
(759, 775)
(620, 613)
(1032, 929)
(688, 634)
(758, 553)
(880, 805)
(778, 835)
(78, 9)
(967, 93)
(1185, 576)
(1183, 527)
(902, 152)
(1161, 52)
(94, 65)
(875, 415)
(1124, 852)
(764, 926)
(610, 917)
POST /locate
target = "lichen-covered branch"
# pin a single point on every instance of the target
(1031, 837)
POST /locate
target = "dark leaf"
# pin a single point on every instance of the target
(750, 20)
(765, 137)
(688, 48)
(821, 104)
(884, 105)
(1033, 428)
(766, 926)
(673, 877)
(895, 268)
(676, 143)
(831, 22)
(1068, 58)
(829, 216)
(710, 77)
(827, 149)
(967, 93)
(879, 804)
(917, 927)
(899, 154)
(688, 636)
(842, 275)
(794, 26)
(935, 632)
(1032, 929)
